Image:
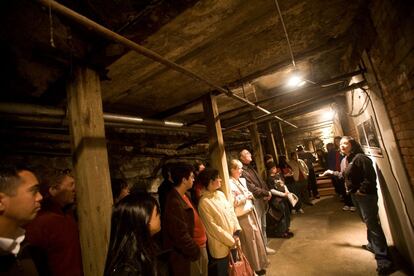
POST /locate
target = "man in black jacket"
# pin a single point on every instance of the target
(19, 204)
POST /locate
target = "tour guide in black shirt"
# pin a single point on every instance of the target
(360, 182)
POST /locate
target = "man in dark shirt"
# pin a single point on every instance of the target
(19, 204)
(259, 190)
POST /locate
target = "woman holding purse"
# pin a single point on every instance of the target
(251, 238)
(222, 226)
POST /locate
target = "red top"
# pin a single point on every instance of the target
(199, 236)
(338, 160)
(56, 233)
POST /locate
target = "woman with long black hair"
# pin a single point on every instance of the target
(132, 252)
(360, 183)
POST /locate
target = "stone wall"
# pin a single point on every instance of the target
(141, 172)
(392, 57)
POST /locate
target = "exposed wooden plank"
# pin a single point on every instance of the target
(270, 140)
(280, 136)
(217, 152)
(257, 150)
(90, 161)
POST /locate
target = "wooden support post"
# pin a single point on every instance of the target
(271, 142)
(257, 151)
(217, 153)
(282, 140)
(90, 160)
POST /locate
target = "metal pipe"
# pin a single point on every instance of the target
(31, 109)
(269, 116)
(56, 116)
(324, 84)
(110, 35)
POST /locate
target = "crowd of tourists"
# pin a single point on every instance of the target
(193, 226)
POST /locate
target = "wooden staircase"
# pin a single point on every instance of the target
(325, 186)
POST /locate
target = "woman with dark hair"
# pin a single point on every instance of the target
(220, 221)
(135, 219)
(279, 204)
(360, 182)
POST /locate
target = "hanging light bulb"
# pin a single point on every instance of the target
(296, 79)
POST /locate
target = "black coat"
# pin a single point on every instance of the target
(360, 174)
(20, 265)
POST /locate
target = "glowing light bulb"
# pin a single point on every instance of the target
(328, 115)
(294, 81)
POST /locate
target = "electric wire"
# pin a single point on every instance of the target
(286, 33)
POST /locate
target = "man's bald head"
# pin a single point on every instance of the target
(245, 157)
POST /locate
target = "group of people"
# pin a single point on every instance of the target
(38, 230)
(201, 225)
(195, 230)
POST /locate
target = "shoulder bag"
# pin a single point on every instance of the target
(240, 266)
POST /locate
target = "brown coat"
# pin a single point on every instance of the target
(178, 231)
(254, 182)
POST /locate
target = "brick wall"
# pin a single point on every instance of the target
(392, 56)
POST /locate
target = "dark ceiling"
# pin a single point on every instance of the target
(236, 44)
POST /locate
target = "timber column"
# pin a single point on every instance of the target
(217, 153)
(258, 151)
(281, 137)
(90, 161)
(270, 138)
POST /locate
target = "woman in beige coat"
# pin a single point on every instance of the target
(220, 221)
(251, 238)
(300, 174)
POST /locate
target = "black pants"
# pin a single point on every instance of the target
(312, 187)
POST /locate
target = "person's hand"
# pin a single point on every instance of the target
(327, 172)
(358, 192)
(236, 241)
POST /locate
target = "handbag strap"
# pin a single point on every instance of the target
(240, 186)
(239, 254)
(231, 257)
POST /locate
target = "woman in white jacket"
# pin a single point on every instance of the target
(220, 221)
(251, 238)
(300, 174)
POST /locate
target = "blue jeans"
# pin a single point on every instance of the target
(368, 209)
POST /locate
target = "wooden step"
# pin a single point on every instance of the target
(326, 191)
(324, 183)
